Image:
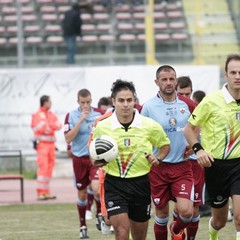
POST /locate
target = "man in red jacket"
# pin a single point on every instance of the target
(44, 124)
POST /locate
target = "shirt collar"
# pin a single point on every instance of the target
(227, 96)
(135, 123)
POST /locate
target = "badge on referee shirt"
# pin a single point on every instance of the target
(127, 142)
(238, 116)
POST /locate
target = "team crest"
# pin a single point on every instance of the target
(157, 200)
(182, 110)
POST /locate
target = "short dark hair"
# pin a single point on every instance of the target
(43, 99)
(106, 101)
(120, 85)
(166, 68)
(199, 95)
(183, 82)
(230, 58)
(83, 93)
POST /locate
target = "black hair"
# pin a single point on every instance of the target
(120, 85)
(183, 82)
(198, 95)
(43, 99)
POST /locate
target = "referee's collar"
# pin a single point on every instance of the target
(135, 123)
(228, 97)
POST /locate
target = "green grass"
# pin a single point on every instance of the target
(26, 174)
(60, 222)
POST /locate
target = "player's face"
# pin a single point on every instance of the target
(124, 104)
(186, 92)
(233, 75)
(85, 103)
(166, 82)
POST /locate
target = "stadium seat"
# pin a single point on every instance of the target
(55, 42)
(10, 19)
(44, 1)
(139, 15)
(5, 2)
(160, 26)
(122, 8)
(162, 37)
(100, 17)
(11, 30)
(13, 41)
(53, 28)
(29, 18)
(99, 8)
(180, 39)
(89, 38)
(103, 28)
(86, 17)
(2, 30)
(159, 16)
(31, 29)
(3, 41)
(180, 25)
(88, 28)
(175, 15)
(127, 37)
(27, 10)
(124, 27)
(8, 10)
(47, 9)
(126, 16)
(50, 17)
(33, 42)
(63, 9)
(62, 1)
(138, 8)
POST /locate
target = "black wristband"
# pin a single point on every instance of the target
(159, 159)
(196, 147)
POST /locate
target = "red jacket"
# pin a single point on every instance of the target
(44, 124)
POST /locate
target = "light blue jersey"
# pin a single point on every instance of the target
(79, 144)
(173, 117)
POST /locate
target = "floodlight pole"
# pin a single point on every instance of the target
(20, 51)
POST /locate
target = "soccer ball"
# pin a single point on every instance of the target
(103, 149)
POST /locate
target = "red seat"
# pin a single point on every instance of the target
(47, 9)
(31, 29)
(162, 37)
(3, 41)
(53, 28)
(123, 16)
(88, 28)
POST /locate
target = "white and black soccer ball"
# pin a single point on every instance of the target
(103, 149)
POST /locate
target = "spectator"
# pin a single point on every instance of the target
(44, 124)
(218, 115)
(77, 131)
(172, 112)
(127, 187)
(71, 26)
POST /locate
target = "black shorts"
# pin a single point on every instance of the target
(222, 181)
(128, 195)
